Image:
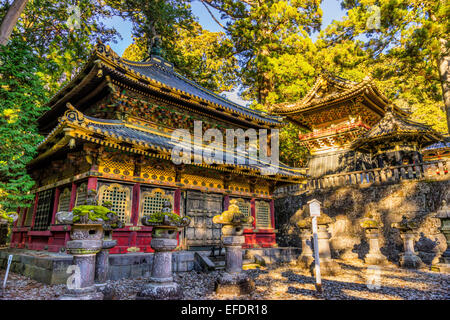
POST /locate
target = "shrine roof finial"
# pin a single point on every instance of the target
(156, 49)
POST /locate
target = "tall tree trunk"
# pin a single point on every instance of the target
(10, 20)
(444, 74)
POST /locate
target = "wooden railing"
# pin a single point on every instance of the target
(438, 169)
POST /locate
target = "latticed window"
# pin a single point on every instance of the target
(64, 200)
(245, 208)
(263, 220)
(81, 194)
(44, 210)
(119, 197)
(153, 201)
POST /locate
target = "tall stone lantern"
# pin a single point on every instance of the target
(86, 240)
(233, 280)
(102, 258)
(327, 265)
(166, 225)
(306, 258)
(444, 215)
(408, 259)
(372, 230)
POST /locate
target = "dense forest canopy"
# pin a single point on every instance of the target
(266, 49)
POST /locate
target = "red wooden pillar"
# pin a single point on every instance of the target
(226, 202)
(136, 194)
(253, 211)
(24, 216)
(272, 218)
(73, 196)
(92, 183)
(177, 207)
(177, 201)
(134, 219)
(55, 204)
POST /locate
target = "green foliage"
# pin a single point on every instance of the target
(61, 41)
(291, 152)
(95, 213)
(156, 19)
(21, 103)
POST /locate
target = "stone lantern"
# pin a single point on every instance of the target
(86, 240)
(6, 219)
(233, 280)
(444, 215)
(327, 265)
(166, 225)
(307, 256)
(372, 231)
(408, 259)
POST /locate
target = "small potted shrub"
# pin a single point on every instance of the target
(165, 223)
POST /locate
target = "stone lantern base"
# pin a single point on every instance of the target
(410, 260)
(161, 285)
(307, 256)
(327, 268)
(160, 291)
(234, 284)
(88, 293)
(233, 281)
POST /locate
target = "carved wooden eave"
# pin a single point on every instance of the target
(330, 93)
(394, 129)
(74, 127)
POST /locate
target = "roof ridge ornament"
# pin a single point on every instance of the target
(72, 115)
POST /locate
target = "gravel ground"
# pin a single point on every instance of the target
(276, 282)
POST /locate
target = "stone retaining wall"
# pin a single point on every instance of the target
(348, 204)
(51, 268)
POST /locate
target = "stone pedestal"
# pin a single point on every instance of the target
(161, 285)
(307, 256)
(233, 281)
(409, 259)
(328, 267)
(444, 261)
(374, 256)
(85, 244)
(102, 262)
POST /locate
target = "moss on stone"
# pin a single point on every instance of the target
(95, 213)
(158, 217)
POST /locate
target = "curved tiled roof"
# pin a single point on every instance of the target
(142, 138)
(339, 88)
(394, 125)
(162, 72)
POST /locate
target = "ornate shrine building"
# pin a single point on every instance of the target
(437, 151)
(109, 130)
(337, 112)
(396, 141)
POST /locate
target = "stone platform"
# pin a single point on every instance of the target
(50, 268)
